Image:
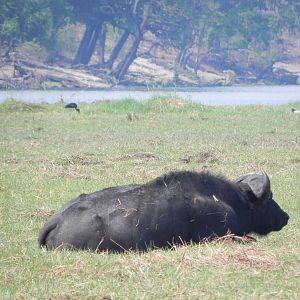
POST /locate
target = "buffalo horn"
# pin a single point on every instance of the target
(264, 193)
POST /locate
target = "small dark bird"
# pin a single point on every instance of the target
(73, 105)
(295, 111)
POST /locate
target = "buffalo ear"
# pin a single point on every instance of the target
(259, 185)
(250, 199)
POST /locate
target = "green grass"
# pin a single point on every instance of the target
(50, 155)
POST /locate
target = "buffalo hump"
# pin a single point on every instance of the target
(179, 207)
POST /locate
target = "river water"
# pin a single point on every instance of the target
(238, 95)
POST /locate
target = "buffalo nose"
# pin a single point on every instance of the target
(285, 219)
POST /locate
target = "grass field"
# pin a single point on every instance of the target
(50, 154)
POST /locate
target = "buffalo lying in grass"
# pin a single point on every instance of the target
(176, 208)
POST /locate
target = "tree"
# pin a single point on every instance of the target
(118, 47)
(183, 25)
(219, 26)
(142, 9)
(32, 20)
(94, 14)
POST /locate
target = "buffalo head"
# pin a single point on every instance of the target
(266, 213)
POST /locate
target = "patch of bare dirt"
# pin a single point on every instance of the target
(145, 156)
(42, 212)
(206, 157)
(221, 252)
(242, 257)
(187, 294)
(245, 258)
(91, 160)
(71, 174)
(10, 161)
(82, 159)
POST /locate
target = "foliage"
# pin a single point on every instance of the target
(28, 20)
(216, 24)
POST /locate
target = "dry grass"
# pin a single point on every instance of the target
(16, 106)
(43, 212)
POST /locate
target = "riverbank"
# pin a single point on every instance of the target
(50, 154)
(28, 67)
(28, 74)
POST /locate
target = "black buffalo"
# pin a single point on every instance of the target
(176, 208)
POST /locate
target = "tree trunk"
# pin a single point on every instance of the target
(92, 44)
(117, 49)
(124, 65)
(178, 59)
(197, 64)
(183, 55)
(265, 71)
(102, 38)
(88, 43)
(84, 42)
(186, 60)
